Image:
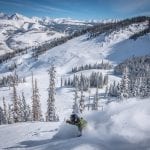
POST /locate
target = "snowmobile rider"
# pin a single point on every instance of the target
(78, 121)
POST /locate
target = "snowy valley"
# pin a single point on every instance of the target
(87, 65)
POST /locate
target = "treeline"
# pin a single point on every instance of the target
(102, 65)
(135, 78)
(9, 55)
(20, 111)
(81, 103)
(109, 27)
(141, 33)
(137, 66)
(92, 32)
(9, 80)
(95, 80)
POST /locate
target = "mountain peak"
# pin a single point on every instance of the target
(17, 16)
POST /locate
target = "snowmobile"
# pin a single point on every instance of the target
(77, 121)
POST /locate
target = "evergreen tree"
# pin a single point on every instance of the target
(148, 87)
(5, 110)
(26, 115)
(100, 81)
(51, 110)
(105, 82)
(81, 101)
(33, 99)
(89, 91)
(76, 105)
(38, 112)
(143, 88)
(118, 92)
(138, 76)
(10, 114)
(36, 106)
(106, 91)
(2, 117)
(110, 93)
(20, 115)
(125, 84)
(96, 99)
(16, 108)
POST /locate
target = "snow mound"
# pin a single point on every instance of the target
(66, 131)
(125, 122)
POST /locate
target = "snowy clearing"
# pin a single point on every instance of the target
(123, 125)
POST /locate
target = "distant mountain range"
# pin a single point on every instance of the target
(18, 31)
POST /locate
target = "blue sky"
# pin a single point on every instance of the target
(78, 9)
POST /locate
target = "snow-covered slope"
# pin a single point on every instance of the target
(114, 46)
(18, 31)
(128, 48)
(76, 52)
(111, 129)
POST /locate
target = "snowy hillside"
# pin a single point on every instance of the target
(18, 31)
(114, 46)
(114, 128)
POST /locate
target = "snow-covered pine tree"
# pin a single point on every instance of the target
(106, 92)
(25, 111)
(143, 87)
(148, 86)
(24, 108)
(132, 88)
(125, 84)
(16, 108)
(20, 104)
(135, 86)
(37, 113)
(2, 117)
(51, 110)
(96, 99)
(114, 89)
(110, 90)
(76, 104)
(29, 113)
(89, 99)
(105, 81)
(118, 92)
(36, 106)
(10, 114)
(100, 81)
(33, 99)
(5, 110)
(81, 101)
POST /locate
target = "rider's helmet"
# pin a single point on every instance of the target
(74, 118)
